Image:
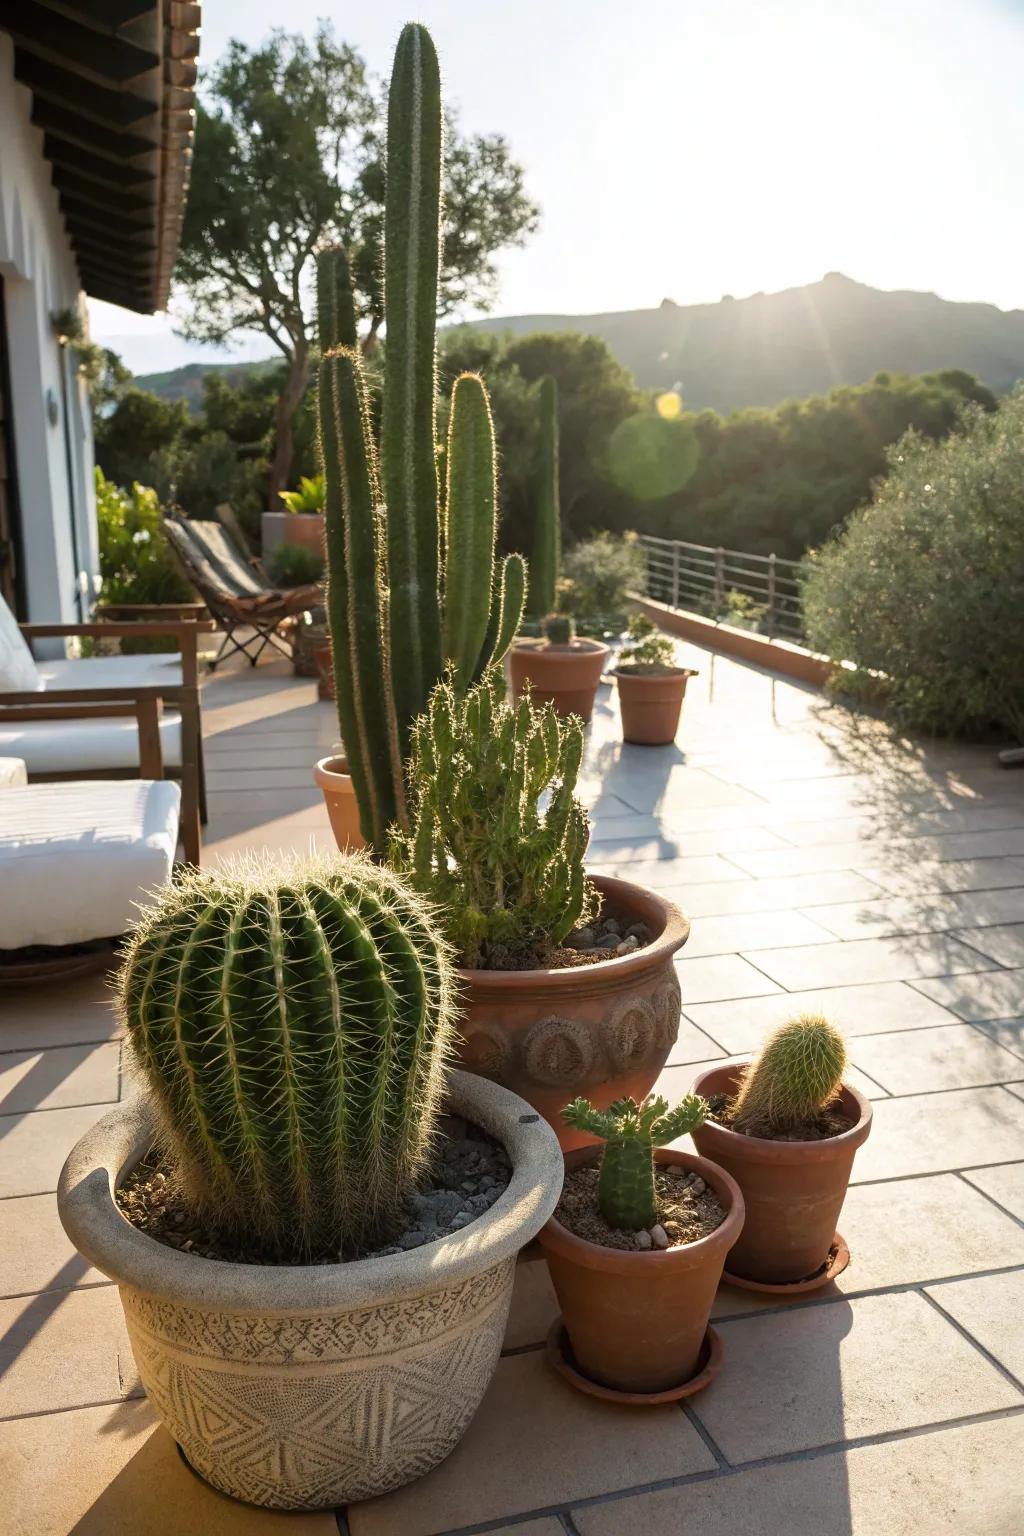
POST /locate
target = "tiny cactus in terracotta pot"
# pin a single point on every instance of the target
(631, 1132)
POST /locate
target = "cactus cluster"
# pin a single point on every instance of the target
(630, 1132)
(559, 628)
(545, 557)
(507, 875)
(293, 1027)
(797, 1074)
(413, 584)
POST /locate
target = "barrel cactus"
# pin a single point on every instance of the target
(293, 1027)
(630, 1132)
(797, 1074)
(413, 583)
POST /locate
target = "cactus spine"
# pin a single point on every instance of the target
(547, 538)
(412, 583)
(797, 1074)
(631, 1131)
(293, 1028)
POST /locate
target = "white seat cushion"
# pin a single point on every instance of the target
(12, 771)
(85, 746)
(17, 665)
(77, 859)
(148, 671)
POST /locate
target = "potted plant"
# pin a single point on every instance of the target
(651, 685)
(302, 521)
(560, 669)
(310, 1314)
(787, 1127)
(636, 1250)
(567, 983)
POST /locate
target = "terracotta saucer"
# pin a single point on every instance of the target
(559, 1354)
(838, 1258)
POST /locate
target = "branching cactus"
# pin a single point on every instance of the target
(507, 875)
(293, 1028)
(413, 586)
(630, 1132)
(798, 1073)
(547, 539)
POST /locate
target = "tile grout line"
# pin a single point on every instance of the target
(721, 1459)
(991, 1198)
(975, 1343)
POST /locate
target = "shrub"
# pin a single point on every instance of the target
(293, 565)
(308, 498)
(631, 1131)
(600, 573)
(293, 1028)
(925, 584)
(648, 649)
(136, 564)
(797, 1074)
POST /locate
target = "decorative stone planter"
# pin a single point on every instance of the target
(565, 676)
(305, 528)
(307, 1387)
(334, 779)
(602, 1030)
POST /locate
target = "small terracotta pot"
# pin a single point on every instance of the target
(794, 1190)
(324, 670)
(333, 777)
(563, 675)
(305, 528)
(651, 703)
(637, 1321)
(602, 1030)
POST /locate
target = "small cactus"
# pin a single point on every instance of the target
(797, 1074)
(631, 1131)
(293, 1028)
(559, 629)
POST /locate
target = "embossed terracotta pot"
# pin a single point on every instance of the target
(563, 675)
(650, 704)
(310, 1386)
(334, 779)
(794, 1190)
(601, 1030)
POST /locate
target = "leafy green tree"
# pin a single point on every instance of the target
(290, 157)
(140, 426)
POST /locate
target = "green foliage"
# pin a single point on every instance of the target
(600, 573)
(631, 1131)
(507, 876)
(308, 498)
(140, 427)
(925, 584)
(648, 649)
(558, 628)
(294, 565)
(650, 457)
(293, 1028)
(136, 564)
(797, 1073)
(547, 530)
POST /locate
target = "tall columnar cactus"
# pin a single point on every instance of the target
(546, 556)
(412, 579)
(631, 1131)
(507, 875)
(798, 1073)
(293, 1028)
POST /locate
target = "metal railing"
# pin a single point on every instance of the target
(758, 592)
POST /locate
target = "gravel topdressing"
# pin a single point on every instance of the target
(688, 1209)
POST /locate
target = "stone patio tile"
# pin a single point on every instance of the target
(71, 1013)
(692, 1044)
(549, 1526)
(922, 1060)
(1003, 944)
(914, 878)
(932, 1133)
(987, 995)
(33, 1147)
(648, 790)
(113, 1471)
(920, 914)
(536, 1443)
(268, 840)
(662, 872)
(820, 1375)
(618, 828)
(1004, 1184)
(721, 898)
(65, 1349)
(900, 852)
(1009, 1033)
(59, 1077)
(862, 960)
(991, 1308)
(874, 1008)
(534, 1306)
(770, 930)
(35, 1255)
(974, 818)
(227, 754)
(721, 976)
(953, 1482)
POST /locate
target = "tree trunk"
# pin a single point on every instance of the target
(287, 404)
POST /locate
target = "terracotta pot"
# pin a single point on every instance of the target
(602, 1030)
(794, 1190)
(305, 528)
(651, 703)
(333, 777)
(636, 1321)
(563, 675)
(324, 670)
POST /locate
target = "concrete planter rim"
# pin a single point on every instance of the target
(108, 1240)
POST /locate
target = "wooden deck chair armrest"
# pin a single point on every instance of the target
(121, 695)
(114, 612)
(145, 708)
(178, 629)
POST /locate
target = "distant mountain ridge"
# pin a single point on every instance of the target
(769, 347)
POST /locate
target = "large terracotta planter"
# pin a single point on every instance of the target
(563, 675)
(305, 528)
(333, 777)
(310, 1386)
(637, 1321)
(651, 703)
(602, 1030)
(793, 1190)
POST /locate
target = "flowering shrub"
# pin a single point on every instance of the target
(136, 563)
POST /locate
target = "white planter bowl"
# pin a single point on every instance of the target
(306, 1387)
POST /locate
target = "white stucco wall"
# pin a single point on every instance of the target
(40, 279)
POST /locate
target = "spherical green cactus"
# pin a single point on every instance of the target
(798, 1073)
(631, 1131)
(293, 1028)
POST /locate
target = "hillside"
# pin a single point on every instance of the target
(766, 348)
(187, 383)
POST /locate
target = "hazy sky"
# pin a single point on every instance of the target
(692, 148)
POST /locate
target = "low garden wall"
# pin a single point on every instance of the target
(746, 645)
